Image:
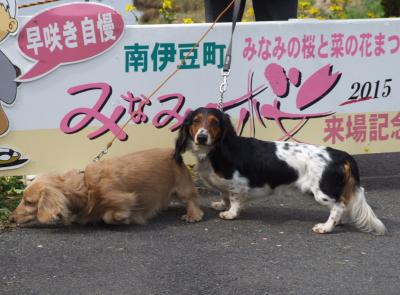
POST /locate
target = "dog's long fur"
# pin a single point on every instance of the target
(242, 167)
(120, 190)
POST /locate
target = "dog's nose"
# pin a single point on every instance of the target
(202, 138)
(11, 218)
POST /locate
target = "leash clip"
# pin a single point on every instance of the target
(222, 88)
(224, 85)
(101, 154)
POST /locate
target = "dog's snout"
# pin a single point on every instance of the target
(202, 138)
(11, 218)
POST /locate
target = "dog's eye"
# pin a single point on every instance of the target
(29, 203)
(214, 123)
(196, 121)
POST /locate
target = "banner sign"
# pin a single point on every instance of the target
(68, 34)
(332, 83)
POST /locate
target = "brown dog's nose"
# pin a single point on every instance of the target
(11, 218)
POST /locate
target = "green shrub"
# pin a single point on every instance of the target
(175, 11)
(340, 9)
(11, 188)
(11, 185)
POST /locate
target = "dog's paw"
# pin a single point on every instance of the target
(227, 215)
(190, 217)
(219, 206)
(321, 228)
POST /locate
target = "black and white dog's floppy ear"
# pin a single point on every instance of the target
(183, 137)
(228, 131)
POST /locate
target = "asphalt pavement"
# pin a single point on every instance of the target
(269, 250)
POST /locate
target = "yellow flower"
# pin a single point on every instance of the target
(130, 7)
(313, 11)
(249, 15)
(304, 4)
(250, 12)
(338, 2)
(371, 15)
(167, 4)
(188, 21)
(336, 8)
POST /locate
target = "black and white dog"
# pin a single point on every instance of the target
(241, 167)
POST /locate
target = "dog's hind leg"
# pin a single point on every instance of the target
(345, 217)
(222, 204)
(236, 204)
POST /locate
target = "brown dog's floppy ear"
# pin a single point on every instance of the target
(183, 137)
(51, 205)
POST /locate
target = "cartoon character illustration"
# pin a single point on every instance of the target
(8, 22)
(8, 71)
(8, 88)
(9, 158)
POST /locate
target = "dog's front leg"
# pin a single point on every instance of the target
(193, 211)
(236, 204)
(116, 217)
(333, 220)
(222, 204)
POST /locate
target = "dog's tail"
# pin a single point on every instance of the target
(362, 215)
(359, 211)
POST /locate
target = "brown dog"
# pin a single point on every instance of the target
(121, 190)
